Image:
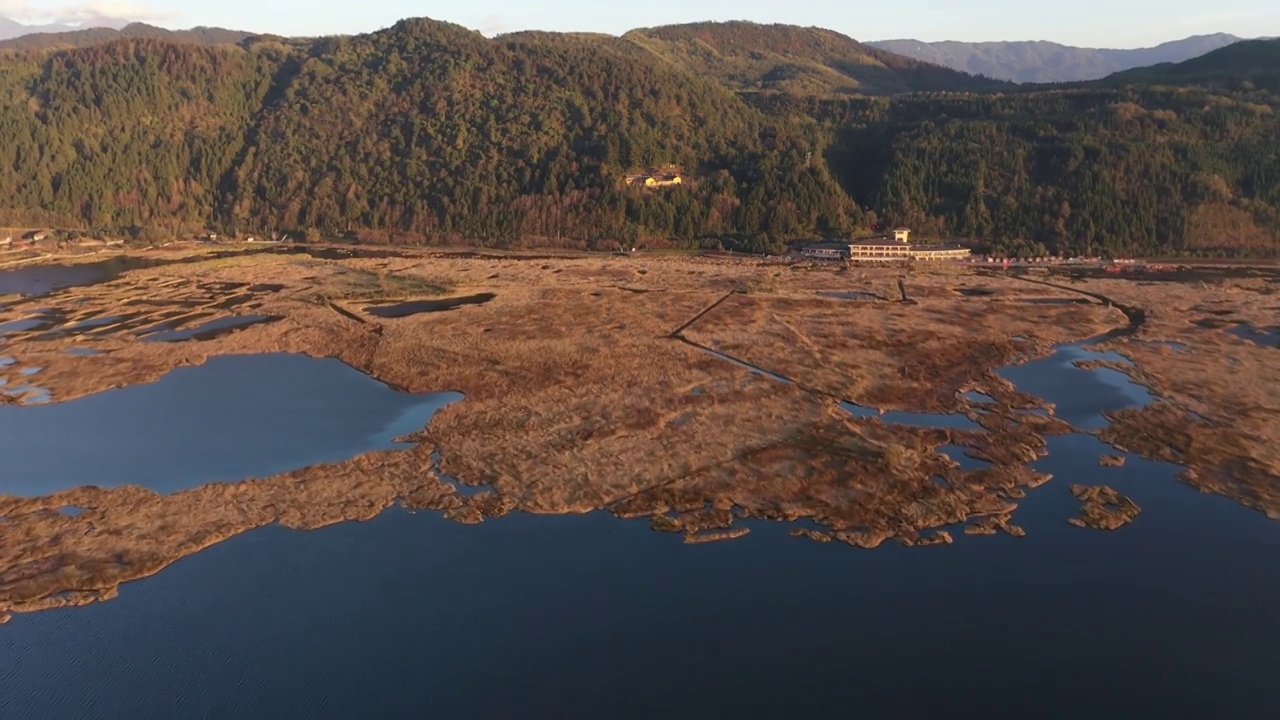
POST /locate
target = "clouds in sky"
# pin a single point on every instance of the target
(110, 12)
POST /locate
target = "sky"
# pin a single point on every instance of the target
(1090, 23)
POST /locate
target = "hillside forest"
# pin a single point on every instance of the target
(429, 133)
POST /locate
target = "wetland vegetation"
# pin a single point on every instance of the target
(711, 400)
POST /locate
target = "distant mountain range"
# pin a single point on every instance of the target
(1246, 65)
(750, 57)
(62, 37)
(12, 28)
(1046, 62)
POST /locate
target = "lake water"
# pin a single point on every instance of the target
(591, 616)
(234, 417)
(1079, 395)
(44, 279)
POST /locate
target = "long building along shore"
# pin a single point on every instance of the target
(886, 248)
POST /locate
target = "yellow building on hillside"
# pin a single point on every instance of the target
(664, 181)
(656, 180)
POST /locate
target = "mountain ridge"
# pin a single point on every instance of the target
(1246, 65)
(1040, 61)
(88, 37)
(803, 60)
(10, 28)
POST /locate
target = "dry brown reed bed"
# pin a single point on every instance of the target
(579, 398)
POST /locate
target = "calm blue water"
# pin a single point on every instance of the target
(1266, 337)
(232, 418)
(590, 616)
(595, 617)
(957, 453)
(209, 330)
(14, 327)
(42, 279)
(1079, 396)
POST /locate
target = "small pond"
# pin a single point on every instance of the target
(27, 324)
(1266, 337)
(415, 307)
(34, 280)
(209, 330)
(966, 463)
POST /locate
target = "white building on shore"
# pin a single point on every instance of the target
(896, 246)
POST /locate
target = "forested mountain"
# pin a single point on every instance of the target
(1243, 66)
(809, 61)
(128, 132)
(433, 129)
(425, 129)
(1047, 62)
(87, 37)
(428, 132)
(1085, 170)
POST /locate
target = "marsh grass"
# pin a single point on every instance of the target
(578, 399)
(356, 284)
